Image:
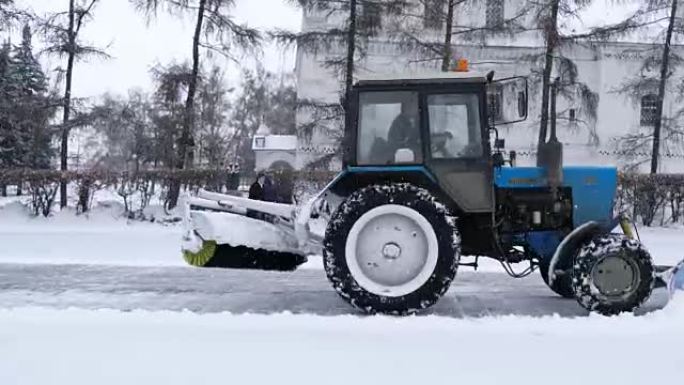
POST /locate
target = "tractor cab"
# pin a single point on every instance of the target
(440, 122)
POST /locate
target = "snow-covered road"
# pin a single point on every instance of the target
(81, 347)
(96, 300)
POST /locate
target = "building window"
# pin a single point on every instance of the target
(649, 105)
(260, 142)
(494, 13)
(371, 18)
(433, 14)
(572, 115)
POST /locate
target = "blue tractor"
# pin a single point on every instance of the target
(425, 180)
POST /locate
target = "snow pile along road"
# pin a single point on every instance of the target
(107, 347)
(100, 238)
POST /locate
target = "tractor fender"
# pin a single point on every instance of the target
(570, 244)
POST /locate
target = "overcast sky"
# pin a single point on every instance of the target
(136, 45)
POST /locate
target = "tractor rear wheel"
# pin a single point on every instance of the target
(391, 249)
(613, 274)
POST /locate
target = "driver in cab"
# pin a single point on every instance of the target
(404, 132)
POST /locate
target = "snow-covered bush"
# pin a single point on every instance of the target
(654, 199)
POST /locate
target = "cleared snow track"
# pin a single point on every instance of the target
(214, 290)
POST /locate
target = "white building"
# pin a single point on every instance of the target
(274, 152)
(602, 67)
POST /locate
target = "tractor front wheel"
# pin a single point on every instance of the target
(391, 249)
(613, 274)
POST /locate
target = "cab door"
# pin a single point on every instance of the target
(458, 146)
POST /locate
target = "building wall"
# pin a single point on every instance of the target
(265, 160)
(603, 67)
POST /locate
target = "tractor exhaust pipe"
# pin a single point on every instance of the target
(551, 153)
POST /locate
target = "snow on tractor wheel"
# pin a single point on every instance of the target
(391, 249)
(613, 274)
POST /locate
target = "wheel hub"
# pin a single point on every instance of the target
(615, 276)
(391, 250)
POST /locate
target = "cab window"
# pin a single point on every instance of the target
(388, 128)
(454, 126)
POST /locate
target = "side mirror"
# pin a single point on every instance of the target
(507, 100)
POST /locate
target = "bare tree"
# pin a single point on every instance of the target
(662, 82)
(655, 80)
(430, 28)
(62, 31)
(550, 16)
(215, 30)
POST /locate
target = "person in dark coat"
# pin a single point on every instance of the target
(404, 132)
(270, 190)
(256, 192)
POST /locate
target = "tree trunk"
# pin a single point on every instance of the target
(64, 152)
(351, 53)
(446, 59)
(664, 69)
(554, 117)
(551, 35)
(189, 118)
(349, 72)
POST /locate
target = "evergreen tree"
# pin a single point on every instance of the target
(248, 116)
(171, 83)
(212, 120)
(281, 117)
(10, 139)
(25, 108)
(33, 105)
(262, 100)
(124, 125)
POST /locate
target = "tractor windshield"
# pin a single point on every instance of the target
(454, 126)
(388, 128)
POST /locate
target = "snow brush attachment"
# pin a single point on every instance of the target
(242, 257)
(202, 257)
(231, 232)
